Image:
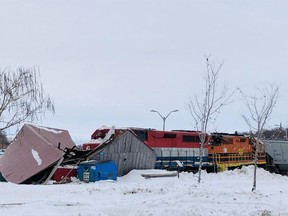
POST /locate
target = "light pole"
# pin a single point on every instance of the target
(164, 118)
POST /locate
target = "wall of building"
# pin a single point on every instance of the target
(128, 152)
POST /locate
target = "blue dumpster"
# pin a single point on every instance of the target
(91, 171)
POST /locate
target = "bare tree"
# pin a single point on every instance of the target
(259, 111)
(22, 97)
(206, 108)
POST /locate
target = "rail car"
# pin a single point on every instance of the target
(277, 155)
(180, 149)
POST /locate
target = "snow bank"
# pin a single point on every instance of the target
(227, 193)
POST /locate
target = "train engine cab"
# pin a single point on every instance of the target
(229, 151)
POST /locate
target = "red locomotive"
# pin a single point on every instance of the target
(174, 149)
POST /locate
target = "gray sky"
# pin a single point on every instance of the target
(110, 62)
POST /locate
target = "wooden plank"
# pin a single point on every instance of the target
(53, 171)
(157, 175)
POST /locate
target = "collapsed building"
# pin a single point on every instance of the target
(33, 154)
(37, 153)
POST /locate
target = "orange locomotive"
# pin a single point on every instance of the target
(228, 151)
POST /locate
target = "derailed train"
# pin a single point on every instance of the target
(179, 149)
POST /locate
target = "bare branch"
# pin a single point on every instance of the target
(22, 97)
(202, 111)
(259, 111)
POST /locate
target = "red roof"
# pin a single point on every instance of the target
(34, 149)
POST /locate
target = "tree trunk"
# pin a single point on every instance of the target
(200, 162)
(255, 165)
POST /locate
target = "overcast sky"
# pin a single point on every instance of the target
(110, 62)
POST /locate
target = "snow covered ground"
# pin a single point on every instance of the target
(227, 193)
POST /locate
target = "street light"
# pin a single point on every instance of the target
(164, 118)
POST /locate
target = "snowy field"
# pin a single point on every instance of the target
(227, 193)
